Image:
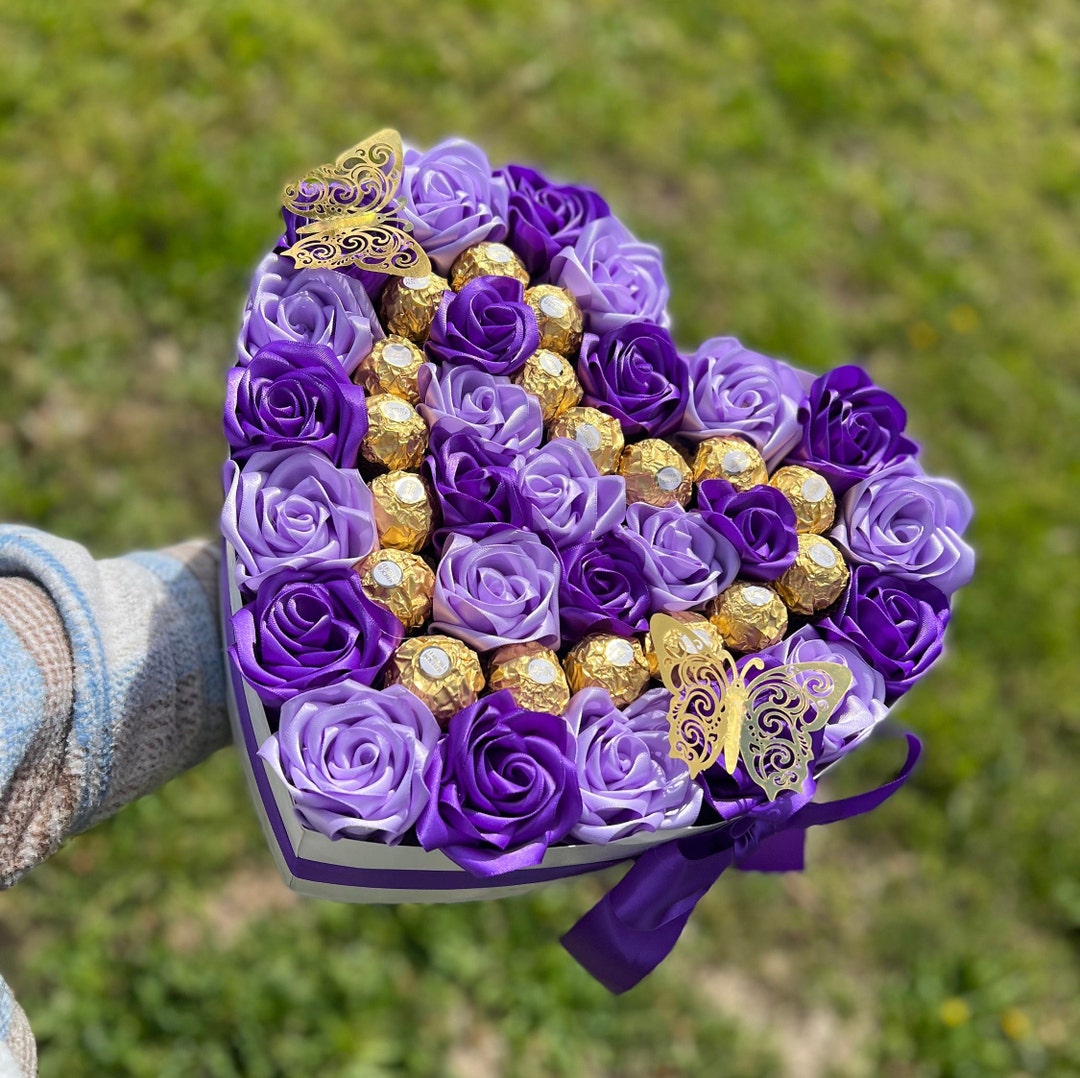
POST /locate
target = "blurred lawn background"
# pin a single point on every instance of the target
(895, 182)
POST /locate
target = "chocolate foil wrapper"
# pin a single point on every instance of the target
(391, 366)
(440, 670)
(533, 675)
(816, 579)
(400, 581)
(397, 435)
(810, 496)
(558, 318)
(551, 379)
(732, 459)
(409, 305)
(655, 473)
(748, 616)
(600, 434)
(702, 635)
(610, 662)
(486, 260)
(404, 510)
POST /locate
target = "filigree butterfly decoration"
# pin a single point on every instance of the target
(719, 711)
(350, 206)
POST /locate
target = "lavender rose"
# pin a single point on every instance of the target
(545, 217)
(291, 509)
(687, 562)
(910, 525)
(464, 398)
(313, 305)
(629, 781)
(308, 629)
(353, 759)
(853, 428)
(570, 500)
(497, 586)
(294, 394)
(635, 374)
(614, 277)
(736, 391)
(503, 787)
(759, 523)
(451, 200)
(487, 325)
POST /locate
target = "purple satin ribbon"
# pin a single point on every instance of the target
(630, 931)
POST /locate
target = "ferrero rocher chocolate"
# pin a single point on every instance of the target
(440, 670)
(397, 435)
(409, 305)
(486, 260)
(732, 459)
(655, 473)
(391, 367)
(558, 317)
(400, 581)
(533, 675)
(606, 661)
(600, 434)
(551, 379)
(700, 635)
(810, 495)
(404, 514)
(748, 616)
(816, 579)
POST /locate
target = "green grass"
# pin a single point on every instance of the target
(895, 182)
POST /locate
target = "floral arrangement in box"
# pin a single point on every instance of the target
(517, 588)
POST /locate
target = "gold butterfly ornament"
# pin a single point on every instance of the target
(350, 207)
(763, 717)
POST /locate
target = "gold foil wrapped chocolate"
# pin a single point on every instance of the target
(732, 459)
(391, 367)
(486, 260)
(600, 434)
(558, 318)
(700, 635)
(440, 670)
(816, 579)
(400, 581)
(748, 616)
(551, 379)
(533, 675)
(397, 435)
(655, 473)
(409, 305)
(404, 513)
(810, 496)
(606, 661)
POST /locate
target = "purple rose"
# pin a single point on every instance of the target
(629, 781)
(503, 787)
(614, 277)
(487, 325)
(759, 523)
(687, 562)
(570, 500)
(603, 588)
(736, 391)
(896, 625)
(309, 629)
(353, 759)
(497, 586)
(635, 374)
(910, 525)
(313, 305)
(291, 509)
(853, 428)
(451, 200)
(464, 398)
(545, 217)
(293, 394)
